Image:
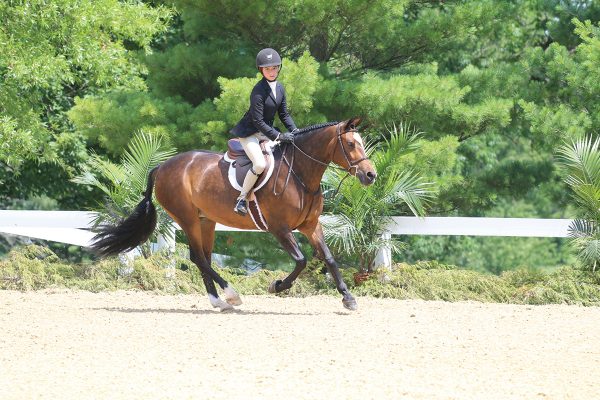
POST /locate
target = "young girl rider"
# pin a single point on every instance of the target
(267, 98)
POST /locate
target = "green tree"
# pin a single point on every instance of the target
(495, 85)
(53, 52)
(213, 45)
(104, 118)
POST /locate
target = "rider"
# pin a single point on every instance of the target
(267, 98)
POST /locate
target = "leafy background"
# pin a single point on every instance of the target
(494, 87)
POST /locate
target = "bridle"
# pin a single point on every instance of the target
(352, 165)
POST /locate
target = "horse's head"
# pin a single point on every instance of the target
(350, 152)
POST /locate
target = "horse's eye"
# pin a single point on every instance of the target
(351, 144)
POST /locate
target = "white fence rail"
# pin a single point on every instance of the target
(475, 226)
(72, 227)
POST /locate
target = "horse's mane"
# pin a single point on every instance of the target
(311, 128)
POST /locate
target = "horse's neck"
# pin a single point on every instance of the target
(310, 170)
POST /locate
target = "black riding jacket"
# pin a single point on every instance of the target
(261, 115)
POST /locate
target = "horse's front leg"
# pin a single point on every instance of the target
(316, 238)
(289, 243)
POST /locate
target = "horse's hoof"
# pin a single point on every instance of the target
(220, 304)
(234, 302)
(232, 297)
(273, 286)
(227, 308)
(350, 304)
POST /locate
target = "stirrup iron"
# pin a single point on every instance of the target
(241, 207)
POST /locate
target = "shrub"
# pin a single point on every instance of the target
(360, 214)
(580, 161)
(35, 267)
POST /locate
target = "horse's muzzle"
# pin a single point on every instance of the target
(366, 177)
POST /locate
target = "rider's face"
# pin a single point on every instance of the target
(270, 72)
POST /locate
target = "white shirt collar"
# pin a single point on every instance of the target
(273, 86)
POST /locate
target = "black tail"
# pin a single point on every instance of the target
(132, 231)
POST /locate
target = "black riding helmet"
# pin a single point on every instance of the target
(267, 58)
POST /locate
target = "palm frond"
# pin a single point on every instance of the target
(341, 233)
(411, 189)
(143, 153)
(402, 140)
(124, 183)
(588, 251)
(90, 179)
(581, 160)
(587, 198)
(363, 212)
(581, 228)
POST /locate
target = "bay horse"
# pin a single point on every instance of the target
(194, 190)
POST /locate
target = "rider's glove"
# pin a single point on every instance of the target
(286, 137)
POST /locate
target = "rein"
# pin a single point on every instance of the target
(352, 164)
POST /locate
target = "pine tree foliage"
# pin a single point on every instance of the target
(104, 118)
(494, 85)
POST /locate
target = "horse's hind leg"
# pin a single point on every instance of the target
(208, 241)
(198, 251)
(208, 281)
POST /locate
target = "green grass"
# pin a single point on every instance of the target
(35, 267)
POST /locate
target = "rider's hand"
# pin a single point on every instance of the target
(286, 137)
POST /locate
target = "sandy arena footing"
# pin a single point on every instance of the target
(60, 344)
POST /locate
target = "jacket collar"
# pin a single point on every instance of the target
(266, 86)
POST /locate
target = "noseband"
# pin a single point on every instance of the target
(351, 164)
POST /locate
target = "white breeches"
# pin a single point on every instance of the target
(252, 148)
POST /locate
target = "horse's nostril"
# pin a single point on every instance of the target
(371, 175)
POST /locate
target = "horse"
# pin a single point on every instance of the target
(193, 189)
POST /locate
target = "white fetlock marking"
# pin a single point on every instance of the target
(232, 296)
(216, 302)
(213, 300)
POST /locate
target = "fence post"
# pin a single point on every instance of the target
(384, 255)
(166, 242)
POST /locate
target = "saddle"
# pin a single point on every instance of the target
(240, 164)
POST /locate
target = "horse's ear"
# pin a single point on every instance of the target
(352, 123)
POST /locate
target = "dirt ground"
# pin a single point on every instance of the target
(132, 345)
